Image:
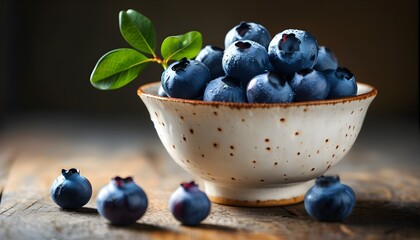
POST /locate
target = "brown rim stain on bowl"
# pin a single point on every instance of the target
(265, 203)
(371, 93)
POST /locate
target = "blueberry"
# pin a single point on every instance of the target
(212, 56)
(71, 190)
(245, 59)
(161, 92)
(269, 88)
(293, 50)
(225, 89)
(185, 79)
(329, 200)
(309, 85)
(188, 204)
(122, 201)
(326, 59)
(248, 31)
(342, 82)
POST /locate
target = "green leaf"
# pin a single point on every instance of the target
(117, 68)
(138, 31)
(177, 47)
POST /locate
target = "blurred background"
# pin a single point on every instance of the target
(49, 48)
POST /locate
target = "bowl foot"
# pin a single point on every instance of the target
(257, 196)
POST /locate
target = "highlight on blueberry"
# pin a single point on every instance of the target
(185, 79)
(245, 59)
(310, 85)
(122, 201)
(293, 50)
(342, 83)
(188, 204)
(326, 59)
(248, 31)
(225, 89)
(269, 87)
(212, 56)
(71, 190)
(161, 92)
(329, 200)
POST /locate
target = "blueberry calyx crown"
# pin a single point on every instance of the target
(325, 181)
(305, 71)
(70, 172)
(243, 45)
(289, 43)
(181, 65)
(119, 181)
(243, 28)
(342, 72)
(189, 185)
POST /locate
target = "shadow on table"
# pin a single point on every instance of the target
(207, 226)
(294, 211)
(143, 227)
(83, 211)
(365, 212)
(386, 213)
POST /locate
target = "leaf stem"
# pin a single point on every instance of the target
(160, 61)
(164, 65)
(153, 53)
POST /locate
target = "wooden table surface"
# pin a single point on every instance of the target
(382, 167)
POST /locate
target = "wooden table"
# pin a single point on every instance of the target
(383, 169)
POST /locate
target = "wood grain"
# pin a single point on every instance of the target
(6, 160)
(388, 198)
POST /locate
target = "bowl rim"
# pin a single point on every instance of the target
(141, 91)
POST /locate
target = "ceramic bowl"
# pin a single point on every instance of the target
(257, 154)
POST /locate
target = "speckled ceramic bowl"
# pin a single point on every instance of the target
(257, 154)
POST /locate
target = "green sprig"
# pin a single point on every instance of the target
(119, 67)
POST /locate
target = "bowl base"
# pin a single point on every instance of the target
(257, 196)
(257, 203)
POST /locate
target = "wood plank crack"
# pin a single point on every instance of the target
(29, 206)
(6, 209)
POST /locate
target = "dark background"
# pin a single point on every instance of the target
(49, 48)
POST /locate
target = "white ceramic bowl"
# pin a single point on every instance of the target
(257, 154)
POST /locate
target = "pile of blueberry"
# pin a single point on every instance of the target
(123, 202)
(256, 68)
